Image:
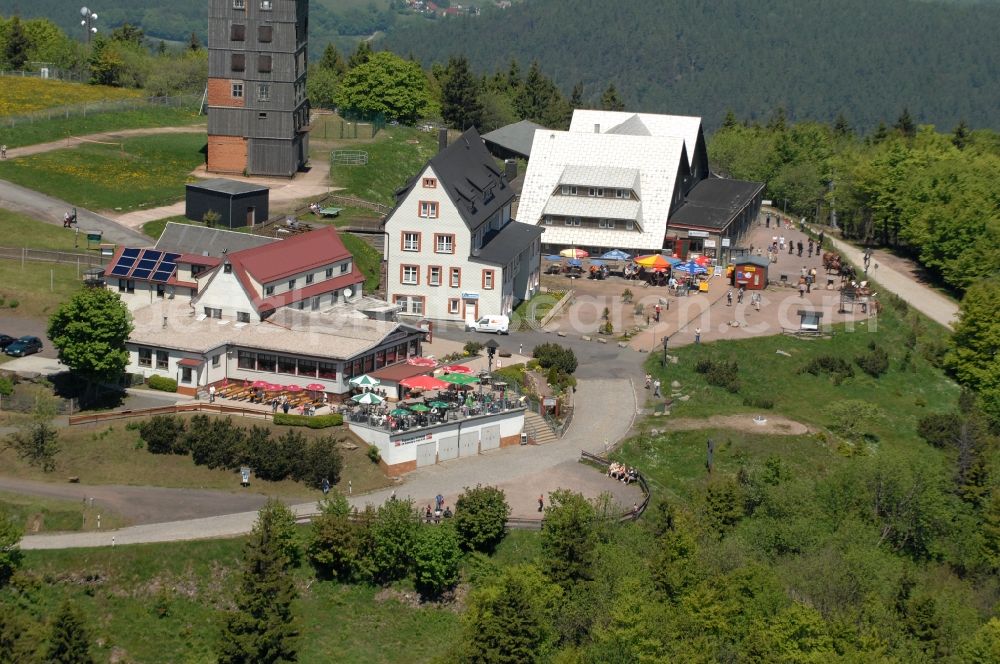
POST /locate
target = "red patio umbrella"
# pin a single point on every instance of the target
(263, 384)
(421, 362)
(458, 368)
(703, 260)
(292, 388)
(423, 383)
(316, 387)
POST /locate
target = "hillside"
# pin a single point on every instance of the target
(817, 59)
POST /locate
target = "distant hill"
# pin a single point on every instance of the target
(816, 58)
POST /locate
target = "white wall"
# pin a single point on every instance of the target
(223, 291)
(145, 293)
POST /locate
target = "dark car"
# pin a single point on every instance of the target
(24, 346)
(5, 341)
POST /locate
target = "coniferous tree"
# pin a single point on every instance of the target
(332, 60)
(778, 121)
(576, 97)
(881, 134)
(611, 101)
(905, 125)
(504, 624)
(730, 120)
(960, 136)
(841, 127)
(461, 107)
(262, 628)
(69, 642)
(194, 44)
(361, 55)
(16, 50)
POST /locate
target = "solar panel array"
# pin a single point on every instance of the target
(145, 264)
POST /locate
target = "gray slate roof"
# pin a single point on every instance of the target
(715, 202)
(224, 186)
(185, 239)
(516, 137)
(508, 242)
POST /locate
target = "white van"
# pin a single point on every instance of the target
(498, 324)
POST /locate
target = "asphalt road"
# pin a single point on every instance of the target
(15, 326)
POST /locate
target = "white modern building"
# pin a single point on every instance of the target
(453, 251)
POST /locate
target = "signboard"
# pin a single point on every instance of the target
(710, 244)
(470, 296)
(93, 236)
(766, 202)
(419, 438)
(549, 401)
(725, 242)
(697, 233)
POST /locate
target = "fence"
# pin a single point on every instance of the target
(349, 158)
(94, 107)
(97, 418)
(633, 514)
(44, 256)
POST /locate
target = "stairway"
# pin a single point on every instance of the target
(538, 430)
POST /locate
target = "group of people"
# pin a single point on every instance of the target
(440, 511)
(622, 473)
(598, 272)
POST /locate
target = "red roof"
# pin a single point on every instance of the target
(196, 259)
(291, 297)
(190, 362)
(300, 253)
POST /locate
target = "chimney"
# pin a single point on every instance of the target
(510, 169)
(442, 139)
(164, 322)
(597, 129)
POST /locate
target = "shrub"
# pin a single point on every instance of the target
(512, 375)
(481, 518)
(875, 362)
(720, 373)
(313, 422)
(472, 347)
(436, 556)
(323, 461)
(162, 384)
(554, 355)
(758, 402)
(6, 386)
(214, 443)
(627, 296)
(373, 454)
(939, 429)
(211, 218)
(836, 367)
(260, 453)
(161, 433)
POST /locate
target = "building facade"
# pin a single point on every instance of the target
(258, 111)
(453, 251)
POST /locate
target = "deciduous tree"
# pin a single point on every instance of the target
(569, 536)
(37, 440)
(385, 85)
(10, 551)
(90, 331)
(436, 554)
(481, 517)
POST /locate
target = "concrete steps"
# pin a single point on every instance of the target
(538, 429)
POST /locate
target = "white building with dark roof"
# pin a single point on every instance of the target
(452, 250)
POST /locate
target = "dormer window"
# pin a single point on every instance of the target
(488, 194)
(567, 190)
(228, 268)
(621, 193)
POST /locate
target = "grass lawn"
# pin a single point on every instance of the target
(47, 130)
(20, 230)
(112, 454)
(163, 603)
(146, 172)
(154, 229)
(24, 94)
(675, 461)
(368, 259)
(538, 306)
(392, 160)
(36, 288)
(50, 514)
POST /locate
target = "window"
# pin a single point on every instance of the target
(621, 193)
(428, 210)
(145, 357)
(185, 374)
(237, 90)
(228, 268)
(160, 290)
(430, 183)
(327, 370)
(315, 303)
(434, 275)
(548, 221)
(263, 91)
(300, 305)
(413, 304)
(417, 306)
(629, 225)
(455, 277)
(409, 274)
(453, 304)
(239, 4)
(266, 362)
(242, 317)
(566, 190)
(444, 244)
(264, 33)
(217, 361)
(246, 360)
(605, 223)
(488, 194)
(329, 272)
(595, 191)
(307, 368)
(345, 267)
(162, 359)
(237, 32)
(291, 284)
(268, 290)
(264, 63)
(265, 5)
(309, 278)
(411, 242)
(262, 116)
(286, 365)
(488, 279)
(211, 312)
(333, 296)
(572, 221)
(237, 61)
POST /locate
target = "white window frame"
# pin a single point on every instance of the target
(434, 275)
(428, 210)
(489, 279)
(411, 246)
(329, 272)
(454, 305)
(630, 225)
(572, 221)
(606, 223)
(266, 5)
(455, 277)
(237, 91)
(414, 270)
(444, 244)
(263, 92)
(239, 4)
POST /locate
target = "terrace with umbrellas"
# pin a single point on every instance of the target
(652, 269)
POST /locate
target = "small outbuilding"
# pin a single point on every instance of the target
(750, 272)
(237, 203)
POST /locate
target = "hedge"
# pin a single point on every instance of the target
(311, 421)
(162, 384)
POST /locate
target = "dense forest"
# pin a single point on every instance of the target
(866, 60)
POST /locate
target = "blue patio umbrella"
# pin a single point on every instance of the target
(574, 262)
(616, 255)
(597, 263)
(553, 257)
(691, 268)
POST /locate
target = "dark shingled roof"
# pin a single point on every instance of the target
(198, 240)
(516, 137)
(715, 202)
(467, 171)
(224, 186)
(502, 246)
(759, 261)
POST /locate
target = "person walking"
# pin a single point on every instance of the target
(3, 151)
(729, 298)
(819, 242)
(649, 381)
(767, 223)
(211, 394)
(810, 248)
(697, 335)
(755, 301)
(541, 502)
(799, 247)
(791, 248)
(781, 243)
(802, 287)
(656, 387)
(739, 295)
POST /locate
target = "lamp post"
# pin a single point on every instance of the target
(666, 341)
(88, 22)
(491, 350)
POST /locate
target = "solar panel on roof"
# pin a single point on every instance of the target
(131, 253)
(162, 275)
(146, 264)
(172, 258)
(152, 255)
(120, 271)
(141, 273)
(127, 262)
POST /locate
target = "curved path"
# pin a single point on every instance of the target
(104, 136)
(605, 413)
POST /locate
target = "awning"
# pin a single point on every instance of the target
(190, 362)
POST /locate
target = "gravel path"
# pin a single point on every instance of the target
(108, 136)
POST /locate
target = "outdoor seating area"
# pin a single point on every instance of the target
(303, 399)
(652, 270)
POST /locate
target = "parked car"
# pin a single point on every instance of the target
(6, 340)
(498, 324)
(24, 346)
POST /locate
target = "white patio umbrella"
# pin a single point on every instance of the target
(364, 380)
(367, 399)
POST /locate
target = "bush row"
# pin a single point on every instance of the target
(218, 443)
(313, 422)
(162, 384)
(720, 373)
